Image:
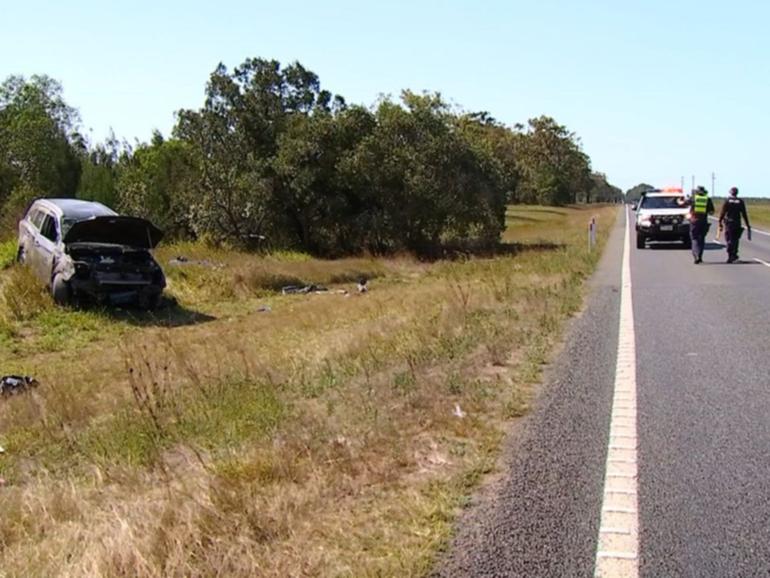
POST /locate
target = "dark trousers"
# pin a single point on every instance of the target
(733, 232)
(698, 231)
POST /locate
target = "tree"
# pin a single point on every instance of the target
(553, 168)
(635, 193)
(601, 191)
(157, 181)
(421, 181)
(234, 138)
(39, 143)
(98, 178)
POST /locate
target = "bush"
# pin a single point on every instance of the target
(23, 297)
(7, 254)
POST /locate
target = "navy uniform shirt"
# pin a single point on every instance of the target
(732, 210)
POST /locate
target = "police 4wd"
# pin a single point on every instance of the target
(660, 216)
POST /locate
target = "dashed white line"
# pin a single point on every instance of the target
(617, 551)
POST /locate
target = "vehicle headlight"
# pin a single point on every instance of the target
(645, 222)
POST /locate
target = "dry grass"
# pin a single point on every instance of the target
(330, 436)
(759, 212)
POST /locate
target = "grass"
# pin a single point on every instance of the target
(7, 254)
(321, 436)
(759, 212)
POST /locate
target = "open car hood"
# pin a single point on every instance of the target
(115, 230)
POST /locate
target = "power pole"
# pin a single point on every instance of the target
(713, 181)
(693, 183)
(682, 183)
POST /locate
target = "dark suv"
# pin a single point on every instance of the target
(85, 251)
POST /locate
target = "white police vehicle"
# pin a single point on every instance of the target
(660, 216)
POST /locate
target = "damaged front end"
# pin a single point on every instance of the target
(111, 275)
(107, 260)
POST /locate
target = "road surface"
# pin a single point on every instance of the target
(699, 492)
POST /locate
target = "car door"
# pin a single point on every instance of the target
(30, 241)
(46, 247)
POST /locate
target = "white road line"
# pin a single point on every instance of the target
(753, 230)
(617, 551)
(765, 263)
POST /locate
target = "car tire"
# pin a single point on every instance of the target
(60, 290)
(640, 240)
(20, 256)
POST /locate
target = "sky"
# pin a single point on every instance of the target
(657, 91)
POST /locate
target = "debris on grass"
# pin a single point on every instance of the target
(15, 384)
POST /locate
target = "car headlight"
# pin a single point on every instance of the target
(646, 222)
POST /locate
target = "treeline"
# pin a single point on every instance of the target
(273, 160)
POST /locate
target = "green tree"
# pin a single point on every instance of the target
(421, 181)
(98, 179)
(39, 145)
(635, 193)
(234, 138)
(157, 181)
(553, 168)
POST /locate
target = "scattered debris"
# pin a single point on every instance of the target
(2, 450)
(13, 384)
(363, 285)
(303, 290)
(264, 309)
(458, 412)
(182, 260)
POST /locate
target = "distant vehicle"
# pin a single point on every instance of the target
(661, 217)
(85, 252)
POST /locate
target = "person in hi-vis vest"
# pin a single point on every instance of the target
(700, 208)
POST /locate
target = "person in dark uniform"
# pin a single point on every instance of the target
(700, 208)
(730, 222)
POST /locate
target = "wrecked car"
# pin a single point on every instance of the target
(85, 252)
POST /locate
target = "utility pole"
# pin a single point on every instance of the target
(713, 181)
(682, 183)
(693, 183)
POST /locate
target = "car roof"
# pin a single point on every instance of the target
(661, 194)
(77, 209)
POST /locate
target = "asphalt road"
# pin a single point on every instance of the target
(703, 425)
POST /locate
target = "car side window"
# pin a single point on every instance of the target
(48, 229)
(37, 218)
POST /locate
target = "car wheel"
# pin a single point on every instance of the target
(60, 290)
(640, 240)
(20, 256)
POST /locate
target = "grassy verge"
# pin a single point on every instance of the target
(249, 433)
(759, 212)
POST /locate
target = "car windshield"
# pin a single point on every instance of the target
(66, 225)
(660, 203)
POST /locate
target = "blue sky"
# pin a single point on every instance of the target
(656, 90)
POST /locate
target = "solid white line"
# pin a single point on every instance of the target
(765, 263)
(617, 552)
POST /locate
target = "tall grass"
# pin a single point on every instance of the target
(332, 435)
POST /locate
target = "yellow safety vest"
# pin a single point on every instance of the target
(700, 204)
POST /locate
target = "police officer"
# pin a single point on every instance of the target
(730, 222)
(700, 208)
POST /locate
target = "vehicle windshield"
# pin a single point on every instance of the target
(660, 203)
(66, 225)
